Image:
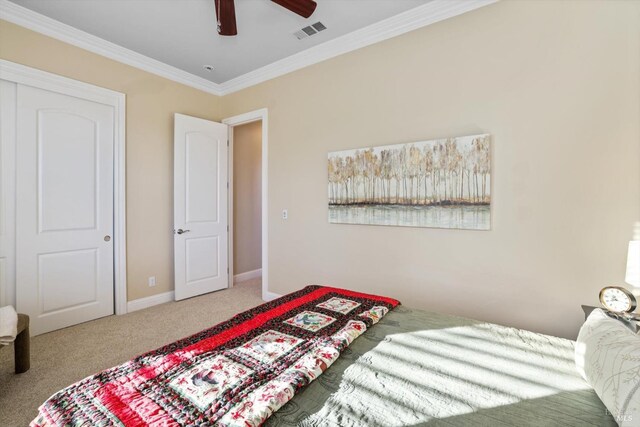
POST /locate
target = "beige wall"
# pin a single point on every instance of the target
(555, 83)
(247, 193)
(151, 103)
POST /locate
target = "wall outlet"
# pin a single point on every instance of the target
(285, 214)
(152, 281)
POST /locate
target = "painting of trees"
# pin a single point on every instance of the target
(446, 172)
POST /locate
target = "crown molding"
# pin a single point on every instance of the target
(421, 16)
(50, 27)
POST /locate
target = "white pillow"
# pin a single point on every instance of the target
(608, 358)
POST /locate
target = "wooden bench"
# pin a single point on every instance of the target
(21, 345)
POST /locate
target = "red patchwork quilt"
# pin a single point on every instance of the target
(236, 373)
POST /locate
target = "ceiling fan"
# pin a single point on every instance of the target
(226, 13)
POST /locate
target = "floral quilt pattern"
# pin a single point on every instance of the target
(375, 313)
(206, 381)
(269, 346)
(340, 305)
(236, 373)
(311, 321)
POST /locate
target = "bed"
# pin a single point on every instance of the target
(422, 368)
(403, 367)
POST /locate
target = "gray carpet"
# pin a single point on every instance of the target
(63, 357)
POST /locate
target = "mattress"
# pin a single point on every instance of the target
(422, 368)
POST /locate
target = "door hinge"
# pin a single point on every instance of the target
(227, 142)
(227, 185)
(227, 228)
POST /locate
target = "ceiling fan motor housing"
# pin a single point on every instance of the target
(226, 13)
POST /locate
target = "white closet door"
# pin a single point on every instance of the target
(64, 209)
(7, 192)
(200, 206)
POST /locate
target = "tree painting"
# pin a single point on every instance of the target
(443, 183)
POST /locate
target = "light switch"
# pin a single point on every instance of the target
(285, 214)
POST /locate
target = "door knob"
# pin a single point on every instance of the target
(181, 231)
(107, 238)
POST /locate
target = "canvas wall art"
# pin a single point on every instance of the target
(444, 183)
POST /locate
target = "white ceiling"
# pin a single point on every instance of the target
(182, 33)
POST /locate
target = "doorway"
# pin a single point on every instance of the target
(247, 212)
(260, 116)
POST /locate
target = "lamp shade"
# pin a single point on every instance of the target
(633, 264)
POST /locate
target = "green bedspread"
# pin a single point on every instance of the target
(422, 368)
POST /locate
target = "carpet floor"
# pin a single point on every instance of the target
(63, 357)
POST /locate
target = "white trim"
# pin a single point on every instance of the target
(8, 145)
(120, 208)
(230, 197)
(238, 120)
(33, 77)
(270, 296)
(142, 303)
(251, 116)
(50, 27)
(421, 16)
(430, 13)
(248, 275)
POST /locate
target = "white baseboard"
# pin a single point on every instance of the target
(243, 277)
(269, 296)
(140, 303)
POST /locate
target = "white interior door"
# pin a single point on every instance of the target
(7, 192)
(200, 206)
(64, 208)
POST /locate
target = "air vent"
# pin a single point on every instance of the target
(309, 31)
(319, 26)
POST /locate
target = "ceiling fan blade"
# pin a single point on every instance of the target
(226, 16)
(304, 8)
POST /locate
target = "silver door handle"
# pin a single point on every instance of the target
(181, 231)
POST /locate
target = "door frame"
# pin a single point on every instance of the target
(242, 119)
(22, 74)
